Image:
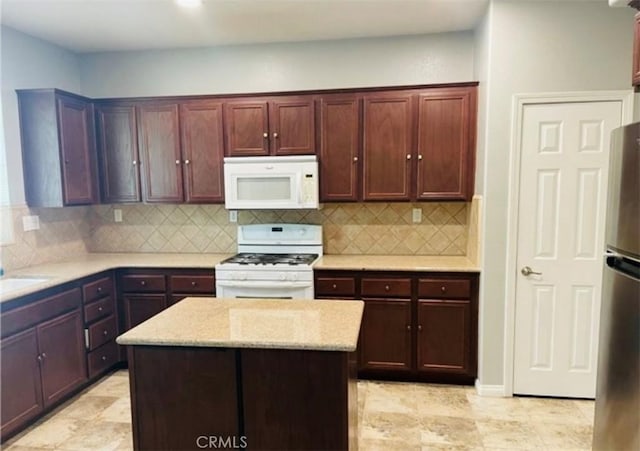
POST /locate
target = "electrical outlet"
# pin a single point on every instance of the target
(117, 215)
(233, 215)
(30, 223)
(416, 215)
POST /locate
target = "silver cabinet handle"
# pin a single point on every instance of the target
(409, 157)
(527, 271)
(265, 135)
(355, 159)
(419, 157)
(177, 161)
(135, 162)
(275, 135)
(187, 161)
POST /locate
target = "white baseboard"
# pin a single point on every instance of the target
(496, 391)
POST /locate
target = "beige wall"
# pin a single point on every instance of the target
(436, 58)
(28, 62)
(536, 47)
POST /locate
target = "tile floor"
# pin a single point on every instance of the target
(392, 416)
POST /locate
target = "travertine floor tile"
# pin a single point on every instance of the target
(87, 407)
(447, 431)
(508, 434)
(51, 434)
(391, 416)
(565, 436)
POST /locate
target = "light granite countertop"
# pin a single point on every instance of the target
(93, 263)
(397, 263)
(252, 323)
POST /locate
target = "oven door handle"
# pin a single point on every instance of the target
(262, 284)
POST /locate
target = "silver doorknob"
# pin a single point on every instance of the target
(527, 271)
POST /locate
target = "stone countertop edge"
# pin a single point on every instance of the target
(93, 263)
(418, 263)
(315, 325)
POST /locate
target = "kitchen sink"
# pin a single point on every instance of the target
(17, 283)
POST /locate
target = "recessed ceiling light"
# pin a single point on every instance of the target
(189, 3)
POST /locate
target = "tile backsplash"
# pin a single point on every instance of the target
(349, 228)
(447, 228)
(63, 234)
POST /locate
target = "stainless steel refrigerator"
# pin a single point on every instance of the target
(617, 414)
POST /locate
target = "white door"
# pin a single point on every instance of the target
(562, 201)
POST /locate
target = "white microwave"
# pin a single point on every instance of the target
(287, 182)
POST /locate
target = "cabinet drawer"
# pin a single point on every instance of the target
(335, 286)
(28, 315)
(143, 283)
(102, 332)
(97, 289)
(102, 358)
(444, 288)
(98, 309)
(193, 284)
(386, 287)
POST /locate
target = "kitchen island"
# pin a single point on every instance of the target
(210, 373)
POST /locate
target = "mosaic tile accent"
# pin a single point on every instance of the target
(62, 235)
(349, 228)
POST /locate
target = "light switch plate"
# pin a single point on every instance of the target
(416, 215)
(30, 223)
(117, 215)
(233, 216)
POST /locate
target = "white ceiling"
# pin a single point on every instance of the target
(113, 25)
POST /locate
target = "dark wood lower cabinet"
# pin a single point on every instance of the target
(141, 307)
(416, 325)
(385, 335)
(62, 355)
(444, 338)
(21, 397)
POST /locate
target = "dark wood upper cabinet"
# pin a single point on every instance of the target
(118, 152)
(446, 143)
(159, 139)
(636, 51)
(282, 126)
(58, 148)
(339, 148)
(202, 151)
(387, 147)
(247, 128)
(292, 126)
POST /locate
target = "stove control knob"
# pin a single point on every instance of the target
(293, 277)
(241, 276)
(283, 276)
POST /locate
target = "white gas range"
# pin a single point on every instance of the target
(273, 261)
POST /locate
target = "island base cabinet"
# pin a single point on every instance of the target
(298, 400)
(183, 398)
(21, 384)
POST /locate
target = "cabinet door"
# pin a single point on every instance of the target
(77, 146)
(446, 142)
(141, 307)
(444, 336)
(387, 154)
(63, 364)
(246, 128)
(159, 138)
(202, 151)
(386, 335)
(118, 151)
(339, 148)
(292, 126)
(21, 389)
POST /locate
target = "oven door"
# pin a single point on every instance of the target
(263, 289)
